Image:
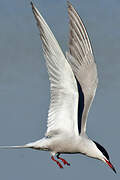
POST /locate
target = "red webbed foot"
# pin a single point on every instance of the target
(58, 163)
(64, 161)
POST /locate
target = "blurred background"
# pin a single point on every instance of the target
(24, 87)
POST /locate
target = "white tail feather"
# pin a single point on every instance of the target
(15, 147)
(39, 145)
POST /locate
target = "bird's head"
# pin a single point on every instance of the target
(104, 156)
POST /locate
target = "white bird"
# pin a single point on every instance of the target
(73, 83)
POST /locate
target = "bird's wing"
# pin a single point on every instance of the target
(80, 57)
(62, 115)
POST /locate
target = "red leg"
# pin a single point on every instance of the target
(63, 160)
(58, 163)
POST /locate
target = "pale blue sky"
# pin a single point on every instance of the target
(24, 87)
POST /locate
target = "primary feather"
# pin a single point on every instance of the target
(62, 115)
(81, 59)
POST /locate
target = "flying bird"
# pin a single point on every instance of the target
(73, 82)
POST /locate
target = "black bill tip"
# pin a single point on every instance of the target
(111, 166)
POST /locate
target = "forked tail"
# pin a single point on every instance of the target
(39, 145)
(15, 147)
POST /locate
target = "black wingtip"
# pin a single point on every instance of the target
(68, 4)
(31, 4)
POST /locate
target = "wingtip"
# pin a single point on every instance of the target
(31, 3)
(68, 3)
(33, 8)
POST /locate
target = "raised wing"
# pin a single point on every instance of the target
(81, 59)
(62, 115)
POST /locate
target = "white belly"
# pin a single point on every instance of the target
(64, 144)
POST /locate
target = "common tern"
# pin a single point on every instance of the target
(73, 82)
